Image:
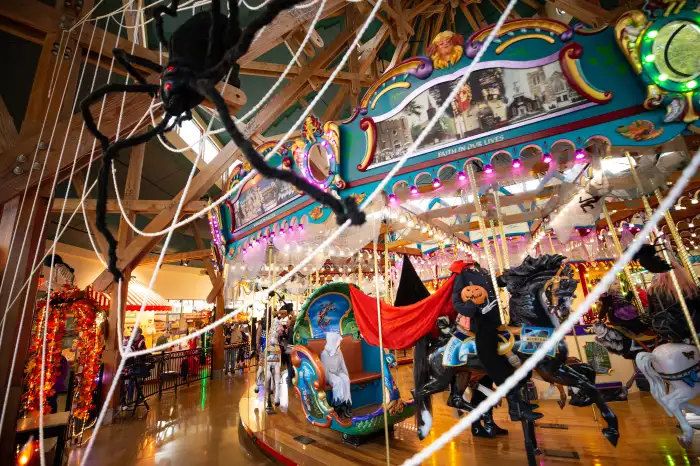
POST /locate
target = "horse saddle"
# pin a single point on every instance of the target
(274, 354)
(531, 338)
(633, 336)
(462, 345)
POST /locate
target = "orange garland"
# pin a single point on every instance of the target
(89, 350)
(54, 333)
(89, 356)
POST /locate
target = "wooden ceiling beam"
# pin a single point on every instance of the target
(177, 257)
(405, 30)
(510, 200)
(8, 132)
(138, 206)
(421, 7)
(470, 17)
(286, 22)
(292, 91)
(274, 70)
(587, 12)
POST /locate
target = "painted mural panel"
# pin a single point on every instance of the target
(260, 196)
(494, 98)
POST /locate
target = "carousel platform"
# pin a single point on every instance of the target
(568, 436)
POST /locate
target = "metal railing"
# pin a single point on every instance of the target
(160, 372)
(239, 356)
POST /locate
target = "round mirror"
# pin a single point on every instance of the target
(319, 166)
(675, 51)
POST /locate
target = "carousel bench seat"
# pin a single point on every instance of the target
(352, 353)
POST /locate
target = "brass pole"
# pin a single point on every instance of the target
(496, 248)
(359, 269)
(485, 239)
(387, 297)
(268, 318)
(667, 257)
(618, 247)
(502, 230)
(682, 252)
(551, 243)
(381, 345)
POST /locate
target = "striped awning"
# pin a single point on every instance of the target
(138, 294)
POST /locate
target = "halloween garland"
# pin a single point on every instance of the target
(89, 350)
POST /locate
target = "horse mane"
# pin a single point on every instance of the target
(523, 281)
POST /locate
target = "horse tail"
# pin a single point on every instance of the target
(658, 386)
(421, 372)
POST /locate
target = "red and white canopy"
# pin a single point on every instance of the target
(138, 294)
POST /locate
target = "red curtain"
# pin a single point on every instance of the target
(401, 326)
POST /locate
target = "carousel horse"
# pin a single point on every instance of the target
(271, 372)
(542, 290)
(677, 365)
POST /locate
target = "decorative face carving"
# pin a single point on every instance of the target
(446, 49)
(476, 294)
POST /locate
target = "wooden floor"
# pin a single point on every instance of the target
(648, 437)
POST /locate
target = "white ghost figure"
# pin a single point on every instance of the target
(336, 371)
(583, 208)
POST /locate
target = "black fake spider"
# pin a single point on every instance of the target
(201, 52)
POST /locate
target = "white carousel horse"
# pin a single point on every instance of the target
(678, 365)
(272, 369)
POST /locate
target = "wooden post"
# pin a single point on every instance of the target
(218, 356)
(111, 356)
(18, 323)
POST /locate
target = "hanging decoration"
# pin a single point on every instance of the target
(88, 318)
(56, 328)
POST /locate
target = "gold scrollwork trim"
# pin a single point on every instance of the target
(514, 40)
(401, 85)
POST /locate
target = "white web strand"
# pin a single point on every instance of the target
(26, 233)
(250, 175)
(49, 284)
(24, 198)
(59, 232)
(333, 236)
(561, 331)
(127, 352)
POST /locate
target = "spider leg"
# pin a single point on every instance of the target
(127, 60)
(233, 35)
(269, 15)
(109, 153)
(215, 43)
(236, 51)
(234, 28)
(344, 209)
(158, 17)
(98, 94)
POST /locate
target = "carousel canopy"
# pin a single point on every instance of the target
(138, 294)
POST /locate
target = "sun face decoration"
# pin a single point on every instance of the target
(446, 49)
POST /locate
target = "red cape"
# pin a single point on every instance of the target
(403, 326)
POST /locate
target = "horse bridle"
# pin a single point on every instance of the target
(554, 283)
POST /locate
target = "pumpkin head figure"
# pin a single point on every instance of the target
(474, 293)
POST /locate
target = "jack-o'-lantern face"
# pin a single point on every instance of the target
(477, 294)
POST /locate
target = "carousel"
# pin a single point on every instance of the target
(537, 178)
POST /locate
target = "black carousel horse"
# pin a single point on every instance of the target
(542, 290)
